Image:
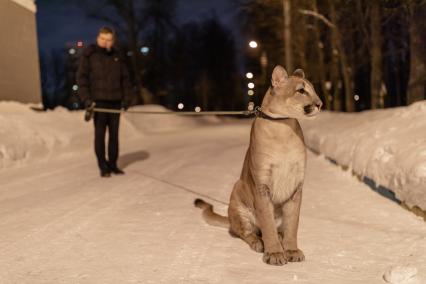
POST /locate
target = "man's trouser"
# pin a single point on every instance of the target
(103, 121)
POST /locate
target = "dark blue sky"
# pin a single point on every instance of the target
(59, 22)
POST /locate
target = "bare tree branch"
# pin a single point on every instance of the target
(318, 16)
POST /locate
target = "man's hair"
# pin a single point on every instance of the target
(107, 30)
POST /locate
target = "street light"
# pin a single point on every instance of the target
(250, 92)
(144, 50)
(249, 75)
(180, 106)
(251, 85)
(250, 106)
(253, 44)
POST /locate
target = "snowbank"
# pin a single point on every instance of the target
(27, 135)
(387, 146)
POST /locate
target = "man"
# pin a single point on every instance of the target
(103, 82)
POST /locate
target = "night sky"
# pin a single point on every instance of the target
(62, 22)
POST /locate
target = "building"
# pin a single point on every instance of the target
(19, 59)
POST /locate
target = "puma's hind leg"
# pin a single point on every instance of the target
(242, 225)
(245, 230)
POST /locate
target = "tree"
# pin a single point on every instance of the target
(287, 35)
(204, 66)
(376, 55)
(417, 82)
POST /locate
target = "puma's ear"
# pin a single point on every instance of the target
(299, 73)
(279, 75)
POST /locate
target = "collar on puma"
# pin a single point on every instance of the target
(259, 113)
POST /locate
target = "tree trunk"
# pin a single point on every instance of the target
(132, 35)
(376, 56)
(287, 36)
(417, 81)
(337, 44)
(320, 60)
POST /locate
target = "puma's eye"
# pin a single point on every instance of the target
(302, 91)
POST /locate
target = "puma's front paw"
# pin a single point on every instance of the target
(294, 255)
(274, 258)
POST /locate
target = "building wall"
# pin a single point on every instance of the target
(19, 60)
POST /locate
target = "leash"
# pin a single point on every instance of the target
(256, 112)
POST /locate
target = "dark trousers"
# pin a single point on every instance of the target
(104, 121)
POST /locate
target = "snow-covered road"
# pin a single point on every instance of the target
(61, 223)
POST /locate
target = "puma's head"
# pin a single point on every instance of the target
(292, 96)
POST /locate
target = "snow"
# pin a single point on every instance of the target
(61, 223)
(387, 146)
(400, 274)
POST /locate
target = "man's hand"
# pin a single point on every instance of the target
(124, 106)
(88, 104)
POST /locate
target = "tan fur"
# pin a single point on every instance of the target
(265, 202)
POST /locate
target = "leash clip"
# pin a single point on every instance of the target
(258, 111)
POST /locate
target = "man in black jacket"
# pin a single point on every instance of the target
(103, 81)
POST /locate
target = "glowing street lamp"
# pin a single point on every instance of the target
(253, 44)
(249, 75)
(180, 106)
(250, 106)
(144, 50)
(197, 109)
(251, 85)
(250, 92)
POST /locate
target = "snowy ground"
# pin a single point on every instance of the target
(61, 223)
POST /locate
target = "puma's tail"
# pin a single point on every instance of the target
(210, 216)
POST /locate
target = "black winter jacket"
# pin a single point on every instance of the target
(103, 76)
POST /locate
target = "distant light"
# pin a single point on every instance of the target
(197, 109)
(129, 53)
(75, 87)
(250, 92)
(80, 44)
(250, 106)
(180, 106)
(356, 98)
(144, 50)
(251, 85)
(253, 44)
(249, 75)
(71, 51)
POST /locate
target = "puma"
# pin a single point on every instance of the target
(265, 202)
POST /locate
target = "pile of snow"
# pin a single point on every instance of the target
(387, 146)
(27, 135)
(159, 123)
